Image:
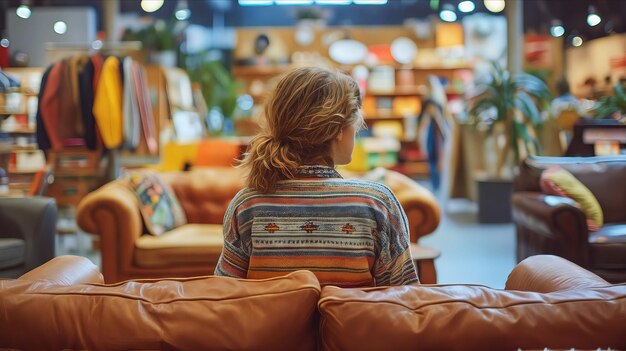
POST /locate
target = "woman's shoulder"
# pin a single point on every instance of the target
(371, 186)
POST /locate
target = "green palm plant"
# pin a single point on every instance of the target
(612, 106)
(514, 102)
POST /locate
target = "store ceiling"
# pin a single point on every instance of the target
(538, 14)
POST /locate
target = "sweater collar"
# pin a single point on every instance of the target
(316, 171)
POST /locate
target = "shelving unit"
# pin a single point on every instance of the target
(410, 84)
(18, 107)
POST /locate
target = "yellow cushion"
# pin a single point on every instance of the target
(558, 181)
(199, 244)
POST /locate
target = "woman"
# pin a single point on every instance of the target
(297, 211)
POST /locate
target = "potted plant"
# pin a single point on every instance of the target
(612, 106)
(160, 40)
(509, 106)
(219, 89)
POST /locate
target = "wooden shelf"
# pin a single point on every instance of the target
(20, 131)
(247, 71)
(399, 91)
(385, 118)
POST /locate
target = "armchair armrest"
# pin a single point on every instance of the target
(66, 270)
(548, 273)
(419, 204)
(555, 218)
(32, 219)
(112, 212)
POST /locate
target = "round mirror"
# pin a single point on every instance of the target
(347, 51)
(403, 50)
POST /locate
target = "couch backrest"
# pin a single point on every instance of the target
(205, 193)
(204, 313)
(436, 318)
(603, 175)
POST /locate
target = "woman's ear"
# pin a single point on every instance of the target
(340, 135)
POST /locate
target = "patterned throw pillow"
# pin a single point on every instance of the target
(159, 206)
(559, 181)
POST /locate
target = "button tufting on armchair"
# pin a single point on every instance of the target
(112, 212)
(556, 225)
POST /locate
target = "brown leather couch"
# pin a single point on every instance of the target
(112, 212)
(554, 225)
(548, 302)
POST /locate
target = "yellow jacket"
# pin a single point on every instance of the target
(107, 106)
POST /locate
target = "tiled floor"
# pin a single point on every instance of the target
(470, 252)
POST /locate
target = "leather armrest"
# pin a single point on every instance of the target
(112, 212)
(32, 219)
(66, 270)
(419, 204)
(549, 215)
(548, 273)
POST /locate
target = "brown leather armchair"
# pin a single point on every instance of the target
(112, 213)
(554, 225)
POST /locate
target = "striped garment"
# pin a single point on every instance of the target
(349, 233)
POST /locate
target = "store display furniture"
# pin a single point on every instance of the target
(556, 225)
(112, 213)
(27, 226)
(548, 303)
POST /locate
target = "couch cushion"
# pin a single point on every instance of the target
(187, 244)
(204, 313)
(608, 247)
(558, 181)
(159, 206)
(11, 252)
(466, 317)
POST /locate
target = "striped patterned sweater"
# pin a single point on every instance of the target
(349, 233)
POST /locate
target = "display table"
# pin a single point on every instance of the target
(424, 259)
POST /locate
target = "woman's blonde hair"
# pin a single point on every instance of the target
(303, 115)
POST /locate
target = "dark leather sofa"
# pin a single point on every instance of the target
(555, 225)
(27, 229)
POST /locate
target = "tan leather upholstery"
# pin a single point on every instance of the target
(473, 317)
(579, 310)
(188, 244)
(203, 313)
(112, 212)
(66, 270)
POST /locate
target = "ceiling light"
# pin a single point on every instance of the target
(183, 14)
(23, 12)
(577, 41)
(293, 2)
(255, 2)
(333, 2)
(370, 2)
(557, 29)
(60, 27)
(467, 6)
(494, 5)
(593, 19)
(151, 5)
(447, 14)
(182, 10)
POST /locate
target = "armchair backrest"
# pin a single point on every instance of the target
(205, 193)
(603, 175)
